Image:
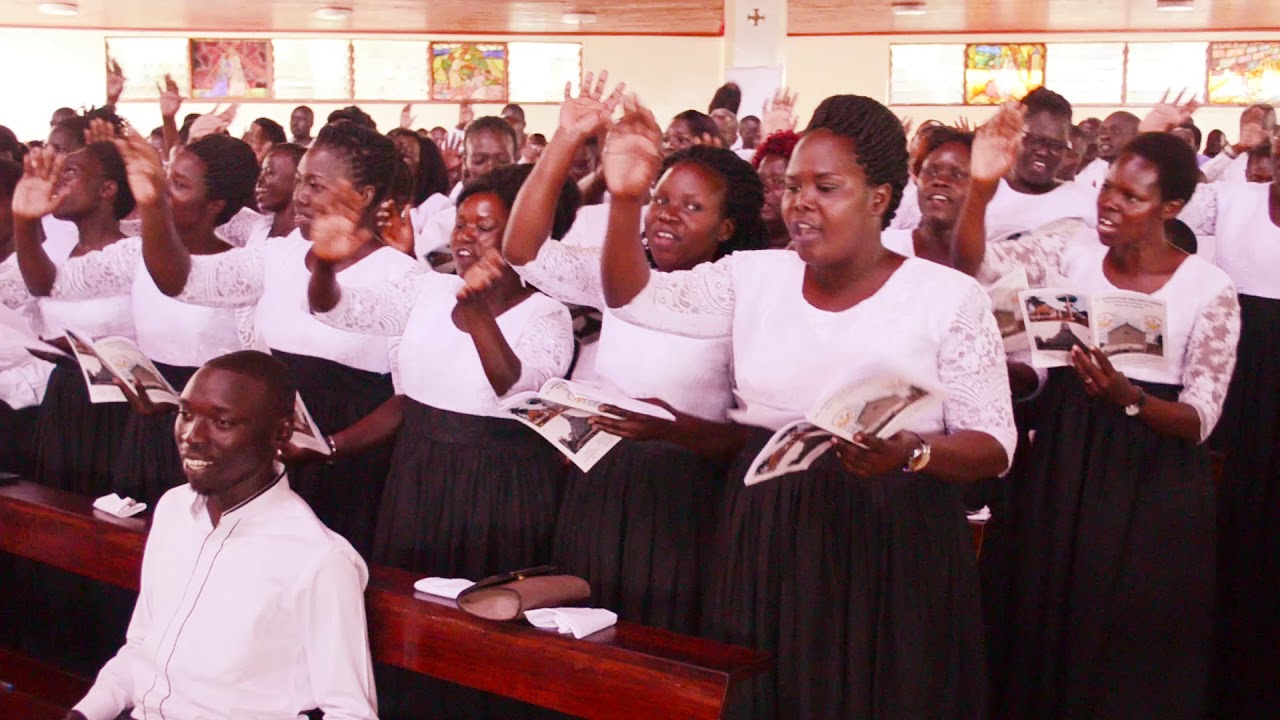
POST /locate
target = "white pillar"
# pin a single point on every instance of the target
(755, 36)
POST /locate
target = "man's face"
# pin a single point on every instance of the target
(225, 430)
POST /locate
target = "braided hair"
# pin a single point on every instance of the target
(432, 176)
(230, 172)
(743, 194)
(879, 142)
(113, 169)
(371, 156)
(505, 182)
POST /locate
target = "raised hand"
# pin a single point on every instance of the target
(964, 125)
(452, 152)
(907, 124)
(1252, 135)
(36, 195)
(143, 167)
(1167, 115)
(482, 275)
(115, 82)
(99, 131)
(632, 153)
(395, 227)
(996, 144)
(779, 113)
(336, 233)
(170, 98)
(406, 116)
(588, 113)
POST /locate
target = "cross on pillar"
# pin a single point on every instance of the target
(755, 17)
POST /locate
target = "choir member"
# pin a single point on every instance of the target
(1111, 525)
(277, 179)
(634, 525)
(1113, 134)
(857, 574)
(300, 122)
(940, 168)
(770, 160)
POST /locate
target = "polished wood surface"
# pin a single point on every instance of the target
(623, 672)
(651, 17)
(39, 686)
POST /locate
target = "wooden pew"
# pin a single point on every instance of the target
(627, 671)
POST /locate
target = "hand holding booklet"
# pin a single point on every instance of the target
(1128, 327)
(111, 359)
(17, 340)
(880, 405)
(560, 411)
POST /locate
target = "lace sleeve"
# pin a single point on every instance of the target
(237, 231)
(694, 303)
(102, 273)
(13, 290)
(567, 273)
(230, 279)
(971, 364)
(544, 347)
(378, 309)
(1040, 252)
(1211, 358)
(1201, 211)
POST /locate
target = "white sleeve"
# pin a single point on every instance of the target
(1211, 358)
(230, 279)
(13, 289)
(435, 232)
(242, 226)
(103, 273)
(378, 309)
(330, 606)
(1201, 211)
(971, 364)
(694, 303)
(568, 273)
(1216, 168)
(1041, 252)
(545, 348)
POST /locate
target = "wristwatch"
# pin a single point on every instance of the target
(919, 457)
(1135, 407)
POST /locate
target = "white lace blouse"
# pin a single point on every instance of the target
(1247, 243)
(437, 363)
(927, 322)
(103, 309)
(1203, 311)
(693, 374)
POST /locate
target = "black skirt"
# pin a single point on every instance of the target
(467, 496)
(344, 495)
(865, 591)
(17, 439)
(1247, 683)
(636, 527)
(77, 442)
(1110, 532)
(148, 465)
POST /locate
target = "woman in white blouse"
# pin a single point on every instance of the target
(1111, 521)
(342, 376)
(635, 525)
(858, 574)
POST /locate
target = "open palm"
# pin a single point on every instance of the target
(996, 144)
(336, 233)
(633, 151)
(143, 168)
(34, 197)
(587, 114)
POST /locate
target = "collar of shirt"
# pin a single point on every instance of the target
(252, 505)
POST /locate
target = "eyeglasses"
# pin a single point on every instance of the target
(1040, 142)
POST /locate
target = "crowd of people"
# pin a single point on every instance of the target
(730, 270)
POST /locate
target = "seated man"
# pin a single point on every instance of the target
(249, 605)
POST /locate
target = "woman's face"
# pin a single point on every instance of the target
(409, 150)
(274, 191)
(679, 136)
(773, 173)
(188, 191)
(685, 222)
(80, 185)
(944, 183)
(320, 174)
(829, 207)
(481, 220)
(1130, 207)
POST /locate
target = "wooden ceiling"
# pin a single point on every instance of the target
(657, 17)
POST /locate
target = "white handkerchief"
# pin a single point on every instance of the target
(443, 587)
(113, 504)
(980, 516)
(579, 621)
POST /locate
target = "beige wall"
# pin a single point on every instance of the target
(51, 68)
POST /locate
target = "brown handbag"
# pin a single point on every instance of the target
(508, 596)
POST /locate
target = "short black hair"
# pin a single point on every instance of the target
(743, 194)
(936, 138)
(879, 141)
(292, 150)
(352, 114)
(305, 108)
(372, 157)
(272, 129)
(749, 117)
(514, 109)
(1181, 236)
(496, 125)
(113, 169)
(106, 113)
(728, 96)
(10, 173)
(271, 372)
(699, 123)
(505, 182)
(1044, 100)
(9, 144)
(76, 126)
(156, 132)
(1175, 161)
(1195, 132)
(230, 172)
